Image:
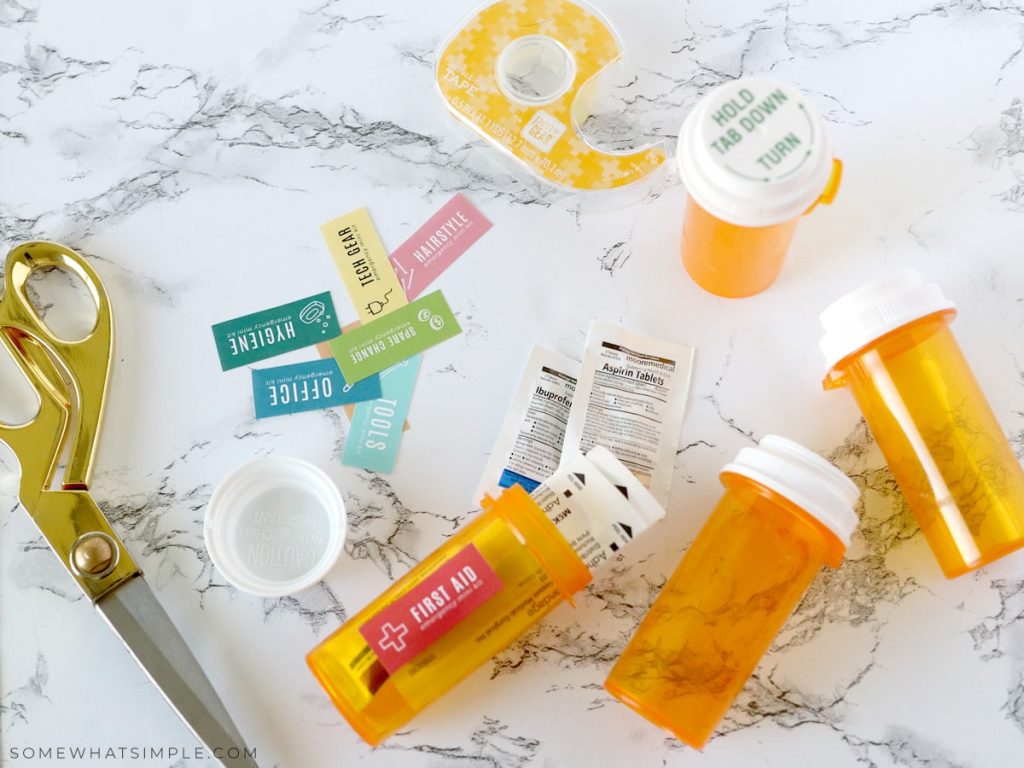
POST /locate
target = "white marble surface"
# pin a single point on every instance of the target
(193, 149)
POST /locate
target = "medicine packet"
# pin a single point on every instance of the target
(597, 504)
(529, 447)
(631, 398)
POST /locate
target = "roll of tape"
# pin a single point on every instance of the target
(517, 72)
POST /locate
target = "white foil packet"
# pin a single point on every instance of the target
(529, 446)
(631, 398)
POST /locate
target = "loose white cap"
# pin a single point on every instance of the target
(875, 309)
(754, 152)
(803, 477)
(275, 526)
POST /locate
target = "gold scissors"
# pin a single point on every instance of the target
(70, 379)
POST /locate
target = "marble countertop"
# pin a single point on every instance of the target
(192, 149)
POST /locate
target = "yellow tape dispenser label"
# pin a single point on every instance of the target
(518, 73)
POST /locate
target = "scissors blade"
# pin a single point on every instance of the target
(139, 620)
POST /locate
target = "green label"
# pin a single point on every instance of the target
(394, 337)
(275, 331)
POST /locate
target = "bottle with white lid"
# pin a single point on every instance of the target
(890, 342)
(785, 512)
(754, 156)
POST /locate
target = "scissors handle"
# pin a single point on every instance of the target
(86, 361)
(70, 378)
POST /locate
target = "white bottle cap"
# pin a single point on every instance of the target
(803, 477)
(275, 526)
(754, 152)
(875, 309)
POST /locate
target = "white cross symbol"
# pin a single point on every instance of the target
(393, 637)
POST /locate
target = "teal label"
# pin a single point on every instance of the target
(376, 429)
(275, 331)
(307, 387)
(397, 336)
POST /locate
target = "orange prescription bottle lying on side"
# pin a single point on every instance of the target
(477, 593)
(754, 156)
(785, 512)
(890, 342)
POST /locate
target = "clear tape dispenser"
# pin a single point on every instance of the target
(521, 73)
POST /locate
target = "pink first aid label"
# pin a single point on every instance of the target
(437, 244)
(421, 616)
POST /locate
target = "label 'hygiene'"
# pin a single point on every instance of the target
(274, 331)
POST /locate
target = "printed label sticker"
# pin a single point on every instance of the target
(324, 350)
(363, 262)
(424, 614)
(274, 331)
(376, 429)
(435, 246)
(404, 332)
(307, 387)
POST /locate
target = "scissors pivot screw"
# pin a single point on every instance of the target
(94, 555)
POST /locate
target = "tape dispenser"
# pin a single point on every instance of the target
(521, 74)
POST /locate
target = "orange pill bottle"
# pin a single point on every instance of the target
(469, 599)
(754, 156)
(891, 344)
(785, 512)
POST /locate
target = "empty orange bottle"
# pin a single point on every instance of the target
(754, 156)
(785, 512)
(890, 342)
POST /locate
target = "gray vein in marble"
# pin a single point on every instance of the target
(17, 703)
(615, 256)
(335, 22)
(712, 397)
(992, 637)
(317, 606)
(14, 12)
(471, 326)
(43, 70)
(763, 698)
(194, 113)
(696, 444)
(1014, 706)
(420, 54)
(384, 530)
(451, 369)
(492, 745)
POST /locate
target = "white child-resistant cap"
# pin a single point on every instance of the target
(875, 309)
(803, 477)
(754, 152)
(275, 526)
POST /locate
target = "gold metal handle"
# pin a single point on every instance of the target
(86, 361)
(70, 379)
